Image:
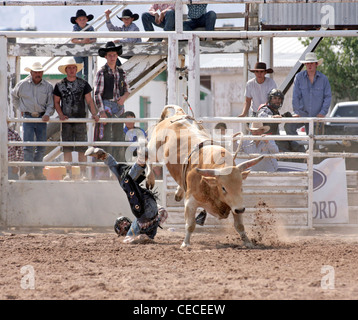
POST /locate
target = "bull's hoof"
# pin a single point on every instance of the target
(185, 245)
(249, 244)
(178, 198)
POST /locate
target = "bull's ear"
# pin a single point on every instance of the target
(245, 174)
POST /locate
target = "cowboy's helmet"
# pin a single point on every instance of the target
(122, 225)
(275, 93)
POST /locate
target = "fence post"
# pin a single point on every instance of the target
(310, 174)
(3, 129)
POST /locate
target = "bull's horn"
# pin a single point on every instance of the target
(249, 163)
(208, 172)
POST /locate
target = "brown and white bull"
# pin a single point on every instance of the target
(205, 172)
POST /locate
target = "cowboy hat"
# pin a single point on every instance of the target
(259, 126)
(81, 13)
(36, 66)
(311, 57)
(261, 66)
(110, 46)
(128, 14)
(70, 62)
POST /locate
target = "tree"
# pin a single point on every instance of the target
(340, 65)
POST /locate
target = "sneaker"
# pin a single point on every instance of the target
(67, 177)
(30, 176)
(97, 153)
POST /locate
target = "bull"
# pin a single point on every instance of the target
(205, 172)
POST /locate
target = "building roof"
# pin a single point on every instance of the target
(286, 52)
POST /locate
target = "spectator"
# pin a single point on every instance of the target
(111, 91)
(257, 89)
(33, 97)
(70, 96)
(79, 23)
(148, 214)
(128, 25)
(165, 19)
(199, 18)
(261, 147)
(15, 153)
(132, 134)
(271, 110)
(311, 93)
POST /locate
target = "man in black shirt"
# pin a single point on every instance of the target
(70, 97)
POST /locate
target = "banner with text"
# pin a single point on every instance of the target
(330, 200)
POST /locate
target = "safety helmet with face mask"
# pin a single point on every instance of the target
(275, 93)
(122, 226)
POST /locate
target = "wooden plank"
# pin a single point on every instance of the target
(129, 49)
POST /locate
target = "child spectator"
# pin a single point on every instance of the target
(79, 23)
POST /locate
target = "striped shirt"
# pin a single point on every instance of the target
(99, 86)
(15, 153)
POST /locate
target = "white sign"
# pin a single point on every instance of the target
(330, 200)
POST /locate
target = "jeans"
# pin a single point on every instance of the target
(12, 175)
(34, 132)
(114, 131)
(168, 23)
(83, 60)
(207, 21)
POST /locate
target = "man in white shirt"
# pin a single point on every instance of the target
(257, 89)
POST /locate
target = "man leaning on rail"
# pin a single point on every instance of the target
(33, 97)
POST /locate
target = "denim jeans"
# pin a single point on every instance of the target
(168, 23)
(83, 60)
(34, 132)
(114, 131)
(206, 21)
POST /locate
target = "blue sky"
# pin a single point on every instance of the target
(57, 18)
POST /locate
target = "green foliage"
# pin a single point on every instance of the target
(340, 65)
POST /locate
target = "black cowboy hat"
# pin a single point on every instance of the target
(261, 66)
(128, 14)
(81, 13)
(110, 46)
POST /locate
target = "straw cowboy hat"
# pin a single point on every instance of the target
(81, 13)
(261, 66)
(36, 66)
(70, 62)
(259, 126)
(128, 14)
(110, 46)
(311, 57)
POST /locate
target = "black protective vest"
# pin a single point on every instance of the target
(274, 129)
(109, 83)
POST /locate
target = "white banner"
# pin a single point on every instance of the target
(330, 200)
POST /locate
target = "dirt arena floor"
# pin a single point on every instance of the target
(95, 264)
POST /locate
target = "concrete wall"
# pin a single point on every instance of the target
(65, 204)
